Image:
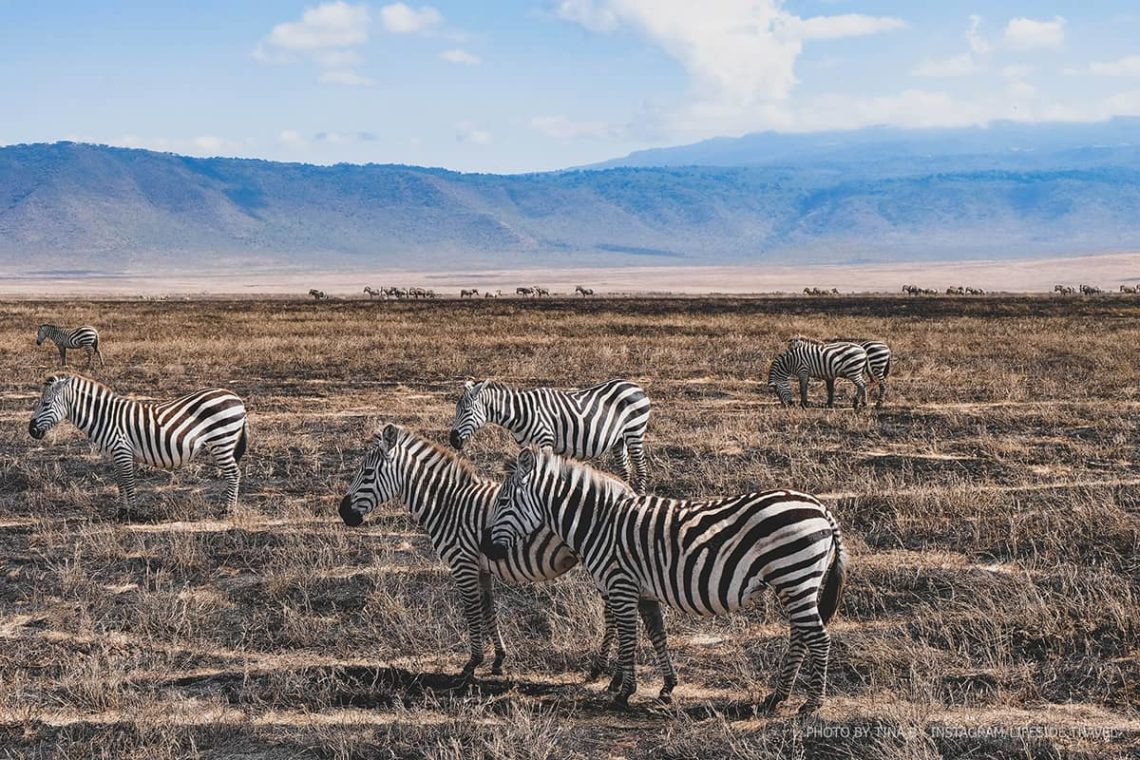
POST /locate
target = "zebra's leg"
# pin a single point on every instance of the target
(231, 472)
(90, 356)
(860, 392)
(650, 610)
(804, 391)
(471, 597)
(491, 625)
(62, 356)
(819, 650)
(882, 392)
(624, 603)
(830, 392)
(636, 448)
(125, 475)
(602, 659)
(789, 669)
(619, 451)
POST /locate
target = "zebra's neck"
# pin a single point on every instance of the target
(583, 513)
(434, 484)
(502, 407)
(95, 409)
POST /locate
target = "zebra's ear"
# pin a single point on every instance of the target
(52, 380)
(469, 385)
(526, 463)
(391, 435)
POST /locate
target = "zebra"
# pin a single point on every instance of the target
(1130, 288)
(700, 557)
(164, 435)
(373, 292)
(1089, 290)
(496, 294)
(524, 291)
(468, 292)
(878, 363)
(1065, 290)
(805, 359)
(584, 291)
(85, 337)
(454, 505)
(612, 416)
(540, 292)
(318, 295)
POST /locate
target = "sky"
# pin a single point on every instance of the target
(532, 85)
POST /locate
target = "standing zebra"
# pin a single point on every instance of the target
(878, 364)
(468, 292)
(318, 295)
(584, 291)
(165, 435)
(612, 416)
(373, 292)
(454, 505)
(85, 337)
(700, 557)
(805, 359)
(524, 291)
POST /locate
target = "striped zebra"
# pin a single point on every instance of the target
(699, 557)
(878, 366)
(804, 359)
(454, 505)
(165, 435)
(586, 423)
(85, 337)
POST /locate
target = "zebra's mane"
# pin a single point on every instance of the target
(567, 468)
(802, 339)
(447, 455)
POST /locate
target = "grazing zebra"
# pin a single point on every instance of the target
(496, 294)
(878, 363)
(1130, 288)
(612, 416)
(85, 337)
(1065, 290)
(1089, 290)
(974, 291)
(454, 505)
(468, 293)
(373, 292)
(166, 435)
(700, 557)
(806, 359)
(524, 291)
(584, 291)
(540, 292)
(319, 295)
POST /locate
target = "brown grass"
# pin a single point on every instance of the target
(991, 510)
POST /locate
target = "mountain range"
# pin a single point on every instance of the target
(870, 195)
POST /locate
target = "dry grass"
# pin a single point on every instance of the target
(991, 509)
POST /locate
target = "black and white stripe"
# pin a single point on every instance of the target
(166, 435)
(85, 337)
(878, 362)
(454, 505)
(587, 423)
(804, 359)
(701, 557)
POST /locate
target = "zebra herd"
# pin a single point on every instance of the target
(552, 511)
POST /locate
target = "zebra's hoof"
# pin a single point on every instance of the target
(665, 698)
(496, 670)
(615, 685)
(621, 702)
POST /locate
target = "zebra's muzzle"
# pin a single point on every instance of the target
(351, 517)
(456, 440)
(34, 431)
(490, 549)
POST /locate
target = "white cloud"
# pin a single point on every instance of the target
(1028, 34)
(741, 51)
(1124, 103)
(838, 27)
(955, 66)
(978, 44)
(291, 138)
(325, 35)
(346, 77)
(562, 128)
(1128, 66)
(467, 132)
(1016, 71)
(330, 25)
(399, 18)
(203, 145)
(461, 56)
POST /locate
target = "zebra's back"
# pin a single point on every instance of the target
(589, 422)
(169, 434)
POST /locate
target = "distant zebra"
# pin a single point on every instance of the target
(524, 291)
(85, 337)
(454, 505)
(372, 292)
(496, 294)
(468, 293)
(584, 291)
(699, 557)
(319, 295)
(1065, 290)
(540, 292)
(612, 416)
(805, 359)
(165, 435)
(1089, 290)
(878, 363)
(1130, 288)
(974, 291)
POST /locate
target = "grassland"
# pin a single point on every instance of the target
(991, 509)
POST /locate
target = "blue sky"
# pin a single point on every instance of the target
(524, 85)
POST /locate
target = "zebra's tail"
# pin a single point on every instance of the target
(887, 367)
(243, 439)
(832, 593)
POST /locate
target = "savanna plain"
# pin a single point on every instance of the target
(990, 507)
